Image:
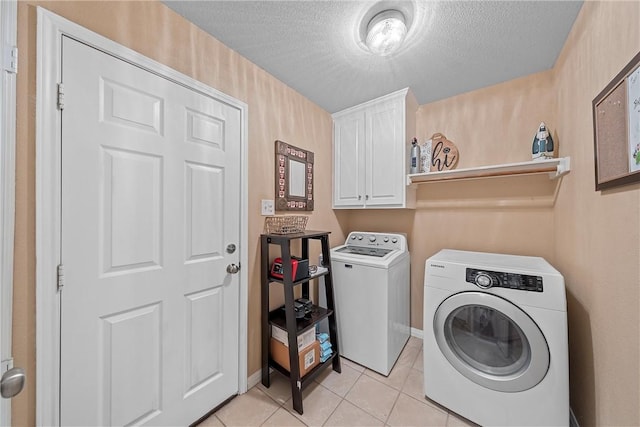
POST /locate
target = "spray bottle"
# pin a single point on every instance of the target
(415, 156)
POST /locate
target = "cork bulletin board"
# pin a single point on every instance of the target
(616, 129)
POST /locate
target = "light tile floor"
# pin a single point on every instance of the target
(356, 397)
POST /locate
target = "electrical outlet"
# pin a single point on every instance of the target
(267, 207)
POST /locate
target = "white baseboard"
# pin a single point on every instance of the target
(417, 333)
(254, 379)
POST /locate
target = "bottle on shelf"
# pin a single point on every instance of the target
(415, 156)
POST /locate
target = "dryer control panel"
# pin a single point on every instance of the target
(486, 279)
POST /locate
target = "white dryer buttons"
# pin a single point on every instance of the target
(372, 239)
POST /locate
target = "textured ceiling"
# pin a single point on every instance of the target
(452, 47)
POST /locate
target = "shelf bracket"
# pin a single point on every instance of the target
(563, 168)
(411, 184)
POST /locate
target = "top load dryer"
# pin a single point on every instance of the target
(371, 292)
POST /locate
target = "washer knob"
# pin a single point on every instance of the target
(353, 237)
(386, 239)
(484, 281)
(372, 239)
(359, 237)
(394, 240)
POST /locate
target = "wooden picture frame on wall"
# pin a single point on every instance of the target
(294, 178)
(616, 129)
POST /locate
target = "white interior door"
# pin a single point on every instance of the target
(11, 379)
(150, 201)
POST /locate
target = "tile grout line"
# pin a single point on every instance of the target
(270, 398)
(364, 410)
(386, 421)
(400, 391)
(280, 405)
(268, 395)
(343, 398)
(359, 373)
(298, 416)
(219, 420)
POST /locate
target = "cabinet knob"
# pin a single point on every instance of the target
(359, 197)
(366, 197)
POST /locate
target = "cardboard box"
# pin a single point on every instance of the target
(308, 358)
(304, 340)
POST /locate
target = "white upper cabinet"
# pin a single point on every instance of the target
(371, 153)
(348, 160)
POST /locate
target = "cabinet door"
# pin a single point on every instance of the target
(385, 158)
(348, 161)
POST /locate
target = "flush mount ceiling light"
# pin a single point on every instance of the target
(386, 32)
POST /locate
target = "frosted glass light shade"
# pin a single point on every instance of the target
(386, 32)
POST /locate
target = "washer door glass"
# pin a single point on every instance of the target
(491, 341)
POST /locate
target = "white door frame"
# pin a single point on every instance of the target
(51, 27)
(8, 41)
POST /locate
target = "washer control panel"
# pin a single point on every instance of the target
(377, 240)
(486, 279)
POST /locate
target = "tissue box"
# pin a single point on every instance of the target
(307, 358)
(425, 156)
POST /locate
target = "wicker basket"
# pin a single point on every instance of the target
(288, 224)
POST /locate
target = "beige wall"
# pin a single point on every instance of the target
(275, 112)
(597, 236)
(592, 237)
(489, 126)
(515, 215)
(582, 232)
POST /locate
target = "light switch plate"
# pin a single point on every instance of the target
(267, 207)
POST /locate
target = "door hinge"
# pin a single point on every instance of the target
(10, 59)
(60, 96)
(60, 272)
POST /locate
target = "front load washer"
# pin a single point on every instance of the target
(371, 298)
(495, 338)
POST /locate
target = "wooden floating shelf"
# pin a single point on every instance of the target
(554, 167)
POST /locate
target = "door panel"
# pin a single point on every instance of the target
(349, 151)
(150, 199)
(132, 385)
(384, 157)
(131, 107)
(131, 238)
(204, 187)
(203, 355)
